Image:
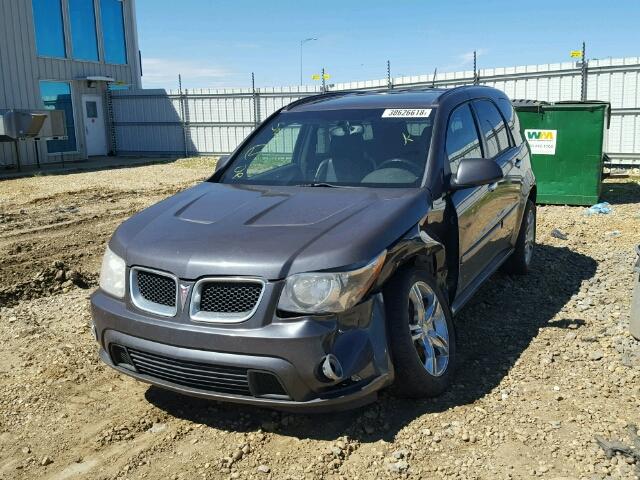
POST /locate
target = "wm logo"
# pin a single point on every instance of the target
(539, 135)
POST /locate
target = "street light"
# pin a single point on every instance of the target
(302, 42)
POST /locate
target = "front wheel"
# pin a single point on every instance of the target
(421, 335)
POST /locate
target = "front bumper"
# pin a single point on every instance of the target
(180, 356)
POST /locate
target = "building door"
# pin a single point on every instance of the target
(94, 126)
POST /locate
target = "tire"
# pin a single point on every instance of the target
(519, 262)
(413, 378)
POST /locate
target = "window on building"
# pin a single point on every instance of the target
(112, 16)
(82, 18)
(57, 96)
(49, 29)
(462, 137)
(492, 127)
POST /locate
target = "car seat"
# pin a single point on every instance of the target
(348, 162)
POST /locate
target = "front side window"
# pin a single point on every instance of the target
(462, 137)
(57, 96)
(276, 153)
(492, 127)
(82, 18)
(351, 147)
(49, 29)
(115, 50)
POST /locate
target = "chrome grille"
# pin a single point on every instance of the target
(203, 376)
(157, 288)
(154, 291)
(226, 299)
(229, 297)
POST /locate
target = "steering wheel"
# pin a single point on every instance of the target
(401, 163)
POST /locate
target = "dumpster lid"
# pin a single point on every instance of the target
(523, 102)
(539, 105)
(529, 105)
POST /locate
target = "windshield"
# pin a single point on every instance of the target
(372, 147)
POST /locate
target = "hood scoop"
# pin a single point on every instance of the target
(256, 208)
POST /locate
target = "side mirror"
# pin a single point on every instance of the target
(223, 161)
(474, 172)
(221, 164)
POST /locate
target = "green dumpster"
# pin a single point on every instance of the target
(567, 148)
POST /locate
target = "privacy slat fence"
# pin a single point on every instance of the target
(209, 122)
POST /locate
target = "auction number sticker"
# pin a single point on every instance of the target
(542, 142)
(406, 113)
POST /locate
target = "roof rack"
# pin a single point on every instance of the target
(339, 93)
(319, 96)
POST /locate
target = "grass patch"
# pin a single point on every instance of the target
(197, 163)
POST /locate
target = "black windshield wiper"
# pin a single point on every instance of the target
(320, 184)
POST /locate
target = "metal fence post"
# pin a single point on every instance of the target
(476, 73)
(182, 117)
(256, 101)
(583, 73)
(187, 124)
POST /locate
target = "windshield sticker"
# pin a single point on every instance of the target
(254, 151)
(406, 113)
(239, 171)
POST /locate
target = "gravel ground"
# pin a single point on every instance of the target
(544, 370)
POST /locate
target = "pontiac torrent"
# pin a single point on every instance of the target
(326, 257)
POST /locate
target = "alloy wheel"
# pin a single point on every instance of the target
(530, 236)
(428, 327)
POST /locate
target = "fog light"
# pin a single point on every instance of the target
(331, 368)
(120, 357)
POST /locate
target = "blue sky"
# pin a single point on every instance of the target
(219, 43)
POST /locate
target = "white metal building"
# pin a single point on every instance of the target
(64, 54)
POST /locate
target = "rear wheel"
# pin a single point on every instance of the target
(520, 260)
(421, 335)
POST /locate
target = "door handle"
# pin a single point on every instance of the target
(492, 186)
(518, 162)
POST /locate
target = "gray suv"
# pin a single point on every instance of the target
(326, 257)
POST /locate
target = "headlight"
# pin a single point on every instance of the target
(112, 274)
(328, 292)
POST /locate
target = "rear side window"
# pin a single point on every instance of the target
(492, 127)
(462, 137)
(511, 117)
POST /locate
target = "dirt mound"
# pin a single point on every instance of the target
(57, 278)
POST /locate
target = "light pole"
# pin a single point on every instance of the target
(302, 42)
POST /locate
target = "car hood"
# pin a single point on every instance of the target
(266, 231)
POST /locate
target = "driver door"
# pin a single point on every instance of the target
(475, 207)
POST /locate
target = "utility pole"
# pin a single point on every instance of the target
(433, 81)
(389, 82)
